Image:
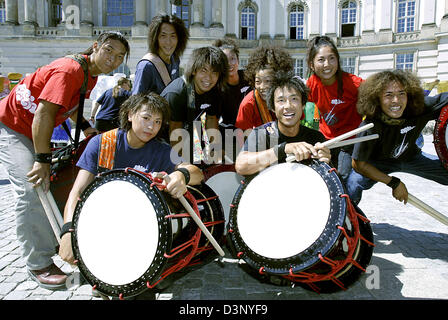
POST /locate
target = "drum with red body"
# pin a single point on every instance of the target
(294, 222)
(64, 171)
(129, 235)
(441, 137)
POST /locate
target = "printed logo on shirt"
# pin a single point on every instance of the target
(330, 117)
(205, 106)
(244, 89)
(400, 149)
(140, 168)
(336, 101)
(173, 71)
(23, 95)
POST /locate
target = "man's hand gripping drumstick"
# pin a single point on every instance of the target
(196, 219)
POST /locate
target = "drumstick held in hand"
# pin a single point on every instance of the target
(427, 209)
(347, 135)
(51, 214)
(198, 221)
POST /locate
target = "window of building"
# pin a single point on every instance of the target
(296, 22)
(348, 19)
(404, 61)
(181, 9)
(406, 16)
(2, 11)
(56, 12)
(299, 67)
(120, 13)
(248, 18)
(348, 64)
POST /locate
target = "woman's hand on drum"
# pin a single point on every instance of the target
(401, 193)
(176, 186)
(65, 248)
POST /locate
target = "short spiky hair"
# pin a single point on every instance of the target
(267, 57)
(289, 80)
(370, 91)
(152, 101)
(154, 30)
(228, 43)
(213, 57)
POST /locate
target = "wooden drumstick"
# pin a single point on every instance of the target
(427, 209)
(51, 215)
(198, 221)
(347, 135)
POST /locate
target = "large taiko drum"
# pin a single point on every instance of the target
(441, 137)
(129, 235)
(64, 171)
(224, 181)
(293, 221)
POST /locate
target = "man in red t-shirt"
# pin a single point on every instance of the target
(38, 104)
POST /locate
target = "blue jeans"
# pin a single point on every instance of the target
(34, 231)
(423, 165)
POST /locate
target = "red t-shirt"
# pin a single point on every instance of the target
(58, 83)
(248, 115)
(337, 115)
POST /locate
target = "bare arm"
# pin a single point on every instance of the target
(366, 169)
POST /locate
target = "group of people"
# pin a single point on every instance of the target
(265, 101)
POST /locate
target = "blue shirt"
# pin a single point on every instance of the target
(148, 79)
(110, 106)
(154, 156)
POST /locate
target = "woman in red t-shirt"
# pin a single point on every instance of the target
(335, 94)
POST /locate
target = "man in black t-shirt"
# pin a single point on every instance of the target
(270, 143)
(394, 101)
(197, 92)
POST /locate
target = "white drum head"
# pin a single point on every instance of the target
(283, 210)
(225, 184)
(117, 232)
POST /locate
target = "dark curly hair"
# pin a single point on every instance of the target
(154, 104)
(287, 79)
(370, 91)
(267, 57)
(181, 31)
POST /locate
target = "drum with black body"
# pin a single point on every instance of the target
(129, 234)
(293, 222)
(441, 137)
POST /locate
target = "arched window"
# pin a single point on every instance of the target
(247, 22)
(348, 19)
(406, 16)
(181, 9)
(296, 22)
(120, 13)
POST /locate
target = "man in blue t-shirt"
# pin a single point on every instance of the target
(137, 146)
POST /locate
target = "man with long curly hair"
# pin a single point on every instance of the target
(394, 101)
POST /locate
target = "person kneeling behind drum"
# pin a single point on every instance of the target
(136, 145)
(394, 101)
(271, 142)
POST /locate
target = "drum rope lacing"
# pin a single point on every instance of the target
(336, 266)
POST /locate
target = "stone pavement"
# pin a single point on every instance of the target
(410, 260)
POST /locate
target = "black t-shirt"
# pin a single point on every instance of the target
(232, 98)
(176, 95)
(397, 141)
(267, 136)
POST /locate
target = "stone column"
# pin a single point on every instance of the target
(369, 16)
(444, 22)
(161, 7)
(65, 4)
(12, 12)
(216, 14)
(30, 12)
(86, 12)
(198, 13)
(385, 35)
(331, 12)
(429, 13)
(315, 22)
(140, 13)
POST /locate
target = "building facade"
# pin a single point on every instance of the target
(372, 35)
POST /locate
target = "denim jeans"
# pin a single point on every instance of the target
(34, 231)
(423, 165)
